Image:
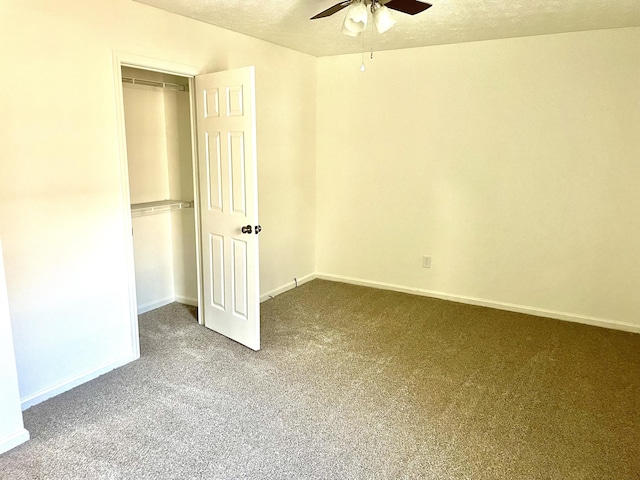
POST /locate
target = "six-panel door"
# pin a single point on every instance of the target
(225, 108)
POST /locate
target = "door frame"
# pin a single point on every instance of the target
(123, 59)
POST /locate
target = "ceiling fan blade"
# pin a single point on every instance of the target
(330, 11)
(408, 6)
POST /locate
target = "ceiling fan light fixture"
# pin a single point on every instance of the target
(355, 21)
(382, 18)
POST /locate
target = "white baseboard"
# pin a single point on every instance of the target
(13, 440)
(288, 286)
(193, 302)
(147, 307)
(42, 395)
(569, 317)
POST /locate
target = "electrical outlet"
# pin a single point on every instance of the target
(426, 262)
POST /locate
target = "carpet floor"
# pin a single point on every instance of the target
(351, 383)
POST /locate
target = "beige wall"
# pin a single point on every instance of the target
(61, 213)
(513, 163)
(144, 110)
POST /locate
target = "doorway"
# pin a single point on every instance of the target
(157, 111)
(120, 61)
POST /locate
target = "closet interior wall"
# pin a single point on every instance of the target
(158, 132)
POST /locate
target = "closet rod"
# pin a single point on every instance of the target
(152, 83)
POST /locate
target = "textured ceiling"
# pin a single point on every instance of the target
(286, 22)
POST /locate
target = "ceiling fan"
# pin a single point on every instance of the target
(411, 7)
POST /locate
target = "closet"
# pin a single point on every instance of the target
(161, 184)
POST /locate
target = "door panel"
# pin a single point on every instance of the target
(214, 170)
(228, 175)
(216, 244)
(240, 275)
(211, 102)
(237, 168)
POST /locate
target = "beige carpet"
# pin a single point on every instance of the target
(351, 383)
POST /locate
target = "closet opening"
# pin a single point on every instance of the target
(162, 187)
(188, 201)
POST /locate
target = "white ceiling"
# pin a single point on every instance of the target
(286, 22)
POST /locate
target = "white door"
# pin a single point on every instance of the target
(225, 108)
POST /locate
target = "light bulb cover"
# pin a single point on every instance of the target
(356, 19)
(348, 32)
(382, 19)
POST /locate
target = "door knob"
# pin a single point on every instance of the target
(246, 229)
(258, 229)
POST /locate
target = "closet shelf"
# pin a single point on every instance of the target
(151, 208)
